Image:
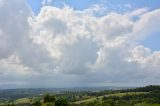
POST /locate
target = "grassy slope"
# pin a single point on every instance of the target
(117, 94)
(144, 104)
(24, 100)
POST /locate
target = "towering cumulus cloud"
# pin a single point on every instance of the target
(67, 47)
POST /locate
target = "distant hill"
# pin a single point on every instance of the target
(150, 88)
(31, 92)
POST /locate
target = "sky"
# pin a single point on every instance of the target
(79, 43)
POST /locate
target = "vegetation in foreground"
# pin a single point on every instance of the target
(144, 96)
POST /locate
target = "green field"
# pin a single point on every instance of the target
(100, 97)
(22, 100)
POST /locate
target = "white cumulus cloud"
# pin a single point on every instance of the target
(77, 45)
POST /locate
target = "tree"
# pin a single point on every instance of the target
(104, 98)
(49, 98)
(61, 102)
(37, 103)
